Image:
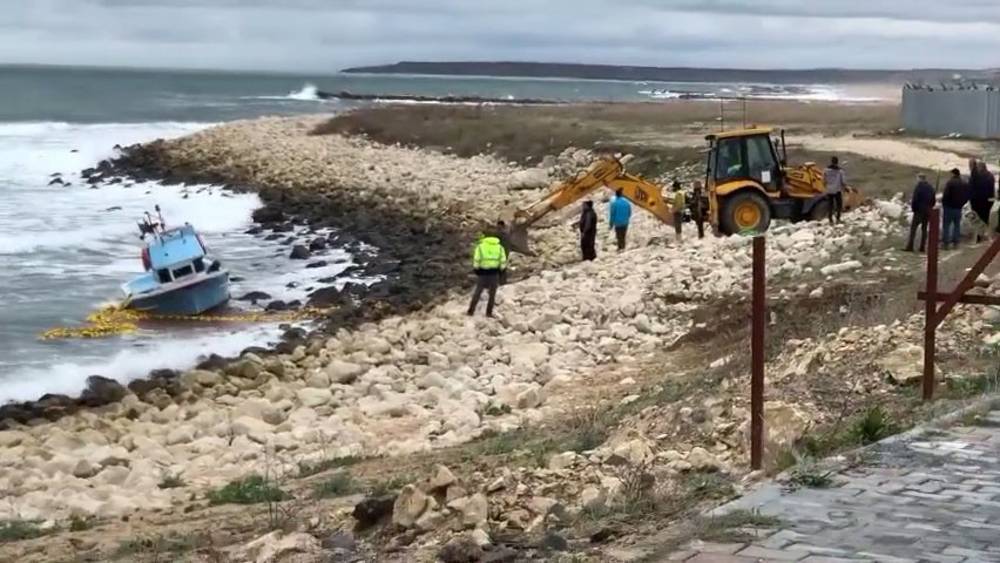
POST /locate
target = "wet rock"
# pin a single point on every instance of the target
(318, 264)
(317, 245)
(254, 297)
(277, 306)
(267, 215)
(101, 391)
(553, 542)
(340, 540)
(300, 252)
(374, 509)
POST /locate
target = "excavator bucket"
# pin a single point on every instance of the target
(516, 238)
(853, 198)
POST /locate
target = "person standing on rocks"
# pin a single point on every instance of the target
(921, 203)
(489, 260)
(699, 208)
(588, 231)
(833, 176)
(954, 199)
(680, 202)
(619, 215)
(502, 235)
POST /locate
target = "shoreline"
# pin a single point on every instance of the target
(653, 335)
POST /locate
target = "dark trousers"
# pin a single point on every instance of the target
(919, 220)
(836, 205)
(699, 221)
(620, 233)
(588, 245)
(952, 230)
(678, 224)
(487, 280)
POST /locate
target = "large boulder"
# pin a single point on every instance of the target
(529, 179)
(372, 510)
(409, 506)
(277, 547)
(102, 391)
(904, 364)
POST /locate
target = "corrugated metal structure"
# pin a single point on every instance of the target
(937, 111)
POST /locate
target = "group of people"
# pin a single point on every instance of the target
(978, 191)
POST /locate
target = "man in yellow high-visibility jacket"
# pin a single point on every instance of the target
(489, 260)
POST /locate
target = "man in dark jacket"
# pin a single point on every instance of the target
(699, 208)
(588, 231)
(921, 203)
(954, 199)
(982, 192)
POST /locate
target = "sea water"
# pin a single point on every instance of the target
(65, 250)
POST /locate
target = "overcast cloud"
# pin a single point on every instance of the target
(327, 35)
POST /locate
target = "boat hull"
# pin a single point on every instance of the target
(193, 298)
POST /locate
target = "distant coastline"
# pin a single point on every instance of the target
(673, 74)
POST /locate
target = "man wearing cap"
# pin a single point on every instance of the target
(921, 203)
(956, 195)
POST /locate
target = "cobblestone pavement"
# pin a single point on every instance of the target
(933, 496)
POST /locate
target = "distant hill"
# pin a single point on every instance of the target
(673, 74)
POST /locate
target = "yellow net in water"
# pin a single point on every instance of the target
(116, 319)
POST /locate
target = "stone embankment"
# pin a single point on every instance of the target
(408, 380)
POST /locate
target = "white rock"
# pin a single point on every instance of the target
(276, 547)
(531, 178)
(593, 498)
(890, 209)
(841, 268)
(529, 355)
(409, 506)
(442, 478)
(473, 510)
(344, 372)
(699, 458)
(312, 398)
(480, 537)
(565, 460)
(181, 435)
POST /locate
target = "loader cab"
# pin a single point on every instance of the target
(744, 155)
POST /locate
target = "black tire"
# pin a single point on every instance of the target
(737, 213)
(820, 211)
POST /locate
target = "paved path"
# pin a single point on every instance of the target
(931, 497)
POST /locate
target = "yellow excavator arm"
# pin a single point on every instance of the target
(606, 172)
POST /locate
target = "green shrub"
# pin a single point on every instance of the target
(253, 489)
(338, 485)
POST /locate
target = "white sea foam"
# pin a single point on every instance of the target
(308, 93)
(68, 378)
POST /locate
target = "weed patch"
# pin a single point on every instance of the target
(310, 468)
(170, 481)
(18, 530)
(253, 489)
(340, 484)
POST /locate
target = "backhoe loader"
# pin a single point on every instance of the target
(747, 185)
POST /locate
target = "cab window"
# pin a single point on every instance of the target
(730, 160)
(760, 158)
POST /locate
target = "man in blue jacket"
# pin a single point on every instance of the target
(923, 200)
(619, 214)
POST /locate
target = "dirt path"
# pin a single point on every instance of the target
(892, 150)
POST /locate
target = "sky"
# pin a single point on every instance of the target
(328, 35)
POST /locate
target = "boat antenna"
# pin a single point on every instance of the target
(159, 214)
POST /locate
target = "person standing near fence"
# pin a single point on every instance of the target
(921, 203)
(833, 176)
(953, 201)
(982, 193)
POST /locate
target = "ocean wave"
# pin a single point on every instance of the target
(69, 378)
(308, 93)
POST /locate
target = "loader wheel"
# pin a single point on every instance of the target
(746, 211)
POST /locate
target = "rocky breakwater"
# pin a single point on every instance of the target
(402, 384)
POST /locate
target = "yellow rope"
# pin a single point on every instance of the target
(115, 319)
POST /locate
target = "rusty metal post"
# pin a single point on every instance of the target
(931, 322)
(757, 355)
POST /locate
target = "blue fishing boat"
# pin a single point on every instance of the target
(180, 278)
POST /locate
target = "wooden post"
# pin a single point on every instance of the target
(758, 325)
(931, 322)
